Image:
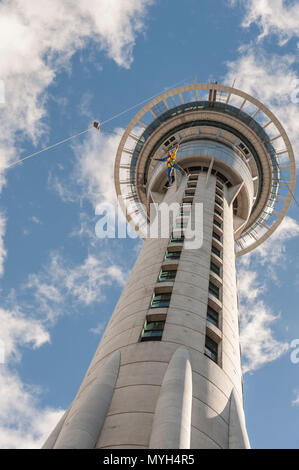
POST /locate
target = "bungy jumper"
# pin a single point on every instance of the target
(169, 159)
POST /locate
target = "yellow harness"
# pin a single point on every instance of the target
(171, 160)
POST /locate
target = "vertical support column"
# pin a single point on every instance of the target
(86, 417)
(172, 421)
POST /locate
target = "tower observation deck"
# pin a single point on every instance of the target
(167, 372)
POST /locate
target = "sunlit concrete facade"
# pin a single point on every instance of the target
(167, 372)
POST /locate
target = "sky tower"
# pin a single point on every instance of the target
(167, 372)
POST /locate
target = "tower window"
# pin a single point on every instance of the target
(215, 268)
(188, 198)
(211, 349)
(167, 275)
(152, 331)
(215, 235)
(212, 316)
(170, 255)
(177, 239)
(216, 251)
(214, 290)
(219, 201)
(218, 224)
(161, 300)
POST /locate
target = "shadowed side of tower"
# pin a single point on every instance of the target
(167, 372)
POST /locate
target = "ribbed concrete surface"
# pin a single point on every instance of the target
(144, 365)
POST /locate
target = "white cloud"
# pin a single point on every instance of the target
(23, 423)
(19, 330)
(269, 79)
(35, 220)
(98, 329)
(259, 347)
(273, 251)
(248, 286)
(94, 169)
(295, 402)
(92, 180)
(37, 40)
(273, 17)
(60, 287)
(276, 244)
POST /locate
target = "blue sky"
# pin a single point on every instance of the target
(63, 65)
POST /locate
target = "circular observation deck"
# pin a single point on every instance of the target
(248, 146)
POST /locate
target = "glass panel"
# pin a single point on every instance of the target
(215, 235)
(211, 349)
(159, 108)
(170, 255)
(217, 223)
(177, 239)
(152, 331)
(214, 290)
(167, 275)
(173, 101)
(160, 300)
(212, 316)
(216, 251)
(154, 325)
(210, 354)
(215, 268)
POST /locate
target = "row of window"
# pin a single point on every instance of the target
(153, 330)
(211, 346)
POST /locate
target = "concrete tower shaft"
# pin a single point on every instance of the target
(167, 372)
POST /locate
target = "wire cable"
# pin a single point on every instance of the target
(87, 130)
(49, 147)
(141, 102)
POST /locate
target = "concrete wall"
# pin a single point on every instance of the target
(143, 365)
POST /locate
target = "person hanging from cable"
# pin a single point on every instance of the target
(170, 160)
(96, 124)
